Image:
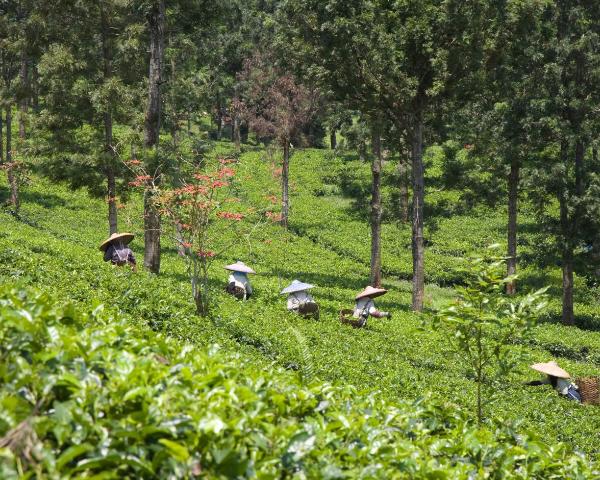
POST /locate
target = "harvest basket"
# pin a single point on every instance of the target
(346, 317)
(589, 389)
(237, 292)
(309, 310)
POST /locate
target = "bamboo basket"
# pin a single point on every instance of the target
(237, 292)
(309, 310)
(346, 317)
(589, 389)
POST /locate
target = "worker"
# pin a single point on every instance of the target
(365, 306)
(299, 300)
(238, 282)
(558, 378)
(116, 250)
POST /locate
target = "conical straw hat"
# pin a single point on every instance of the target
(124, 237)
(296, 286)
(371, 292)
(550, 368)
(239, 267)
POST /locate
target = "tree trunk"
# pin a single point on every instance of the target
(568, 316)
(1, 139)
(35, 88)
(156, 21)
(513, 194)
(333, 139)
(11, 170)
(219, 118)
(24, 87)
(403, 187)
(285, 173)
(108, 128)
(112, 200)
(376, 209)
(362, 151)
(418, 247)
(237, 139)
(151, 232)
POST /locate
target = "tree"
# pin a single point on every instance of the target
(567, 121)
(484, 326)
(11, 46)
(89, 80)
(510, 81)
(205, 208)
(397, 61)
(156, 26)
(277, 107)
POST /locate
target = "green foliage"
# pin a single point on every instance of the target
(54, 248)
(485, 324)
(87, 395)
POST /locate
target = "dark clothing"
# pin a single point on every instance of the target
(119, 254)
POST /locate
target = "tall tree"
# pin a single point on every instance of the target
(89, 79)
(397, 60)
(510, 82)
(567, 101)
(156, 27)
(277, 107)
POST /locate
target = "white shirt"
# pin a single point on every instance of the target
(365, 304)
(562, 385)
(240, 279)
(298, 298)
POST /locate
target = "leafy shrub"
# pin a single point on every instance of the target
(87, 395)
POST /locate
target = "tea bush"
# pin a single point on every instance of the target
(54, 249)
(87, 395)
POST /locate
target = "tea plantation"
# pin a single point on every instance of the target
(138, 388)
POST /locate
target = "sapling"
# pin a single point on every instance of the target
(202, 208)
(484, 324)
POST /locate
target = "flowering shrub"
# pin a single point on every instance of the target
(198, 208)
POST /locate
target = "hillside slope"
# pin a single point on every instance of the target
(54, 248)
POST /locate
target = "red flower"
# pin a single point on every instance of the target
(219, 184)
(276, 217)
(134, 162)
(230, 216)
(186, 244)
(205, 253)
(226, 172)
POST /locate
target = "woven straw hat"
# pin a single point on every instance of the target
(371, 292)
(296, 286)
(550, 368)
(239, 267)
(124, 237)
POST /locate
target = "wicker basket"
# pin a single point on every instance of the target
(589, 388)
(309, 310)
(346, 317)
(237, 292)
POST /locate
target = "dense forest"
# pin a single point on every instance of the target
(443, 150)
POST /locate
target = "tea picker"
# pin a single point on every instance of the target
(558, 378)
(116, 250)
(238, 283)
(299, 300)
(365, 307)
